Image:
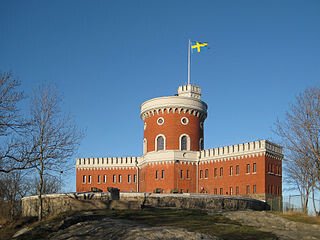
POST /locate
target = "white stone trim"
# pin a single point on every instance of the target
(169, 156)
(164, 142)
(173, 104)
(187, 121)
(107, 162)
(145, 146)
(188, 142)
(242, 150)
(160, 119)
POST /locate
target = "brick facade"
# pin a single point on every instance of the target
(174, 159)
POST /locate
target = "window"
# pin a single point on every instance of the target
(160, 141)
(183, 143)
(157, 174)
(162, 174)
(215, 174)
(254, 167)
(89, 179)
(84, 179)
(254, 189)
(129, 178)
(104, 178)
(231, 191)
(206, 173)
(201, 145)
(248, 168)
(181, 174)
(188, 174)
(221, 191)
(237, 190)
(120, 178)
(135, 178)
(237, 170)
(201, 174)
(114, 178)
(231, 171)
(145, 146)
(160, 120)
(145, 126)
(201, 125)
(248, 189)
(221, 171)
(99, 179)
(184, 121)
(215, 191)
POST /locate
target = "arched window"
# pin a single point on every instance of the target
(201, 145)
(160, 143)
(145, 146)
(184, 142)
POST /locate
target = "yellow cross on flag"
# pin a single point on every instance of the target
(198, 45)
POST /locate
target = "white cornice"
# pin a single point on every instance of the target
(169, 156)
(173, 103)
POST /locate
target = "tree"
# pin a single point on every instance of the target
(13, 186)
(300, 132)
(53, 137)
(12, 150)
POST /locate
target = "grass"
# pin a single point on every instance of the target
(195, 221)
(192, 220)
(300, 217)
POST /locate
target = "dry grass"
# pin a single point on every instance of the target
(192, 220)
(300, 217)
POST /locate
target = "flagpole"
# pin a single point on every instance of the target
(189, 61)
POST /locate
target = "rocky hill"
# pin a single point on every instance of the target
(168, 224)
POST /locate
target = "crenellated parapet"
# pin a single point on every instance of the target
(107, 162)
(189, 90)
(174, 104)
(256, 148)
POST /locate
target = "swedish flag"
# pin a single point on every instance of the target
(199, 45)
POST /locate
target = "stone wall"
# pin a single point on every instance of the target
(57, 203)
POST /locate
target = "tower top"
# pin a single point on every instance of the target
(190, 90)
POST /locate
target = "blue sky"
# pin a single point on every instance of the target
(107, 57)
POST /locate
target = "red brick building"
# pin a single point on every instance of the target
(174, 160)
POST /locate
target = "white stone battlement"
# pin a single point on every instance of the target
(189, 91)
(108, 162)
(240, 149)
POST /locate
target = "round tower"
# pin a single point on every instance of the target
(174, 122)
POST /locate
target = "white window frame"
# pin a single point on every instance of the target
(160, 118)
(181, 120)
(188, 142)
(164, 142)
(84, 179)
(201, 144)
(145, 146)
(89, 179)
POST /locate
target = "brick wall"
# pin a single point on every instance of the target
(172, 129)
(122, 178)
